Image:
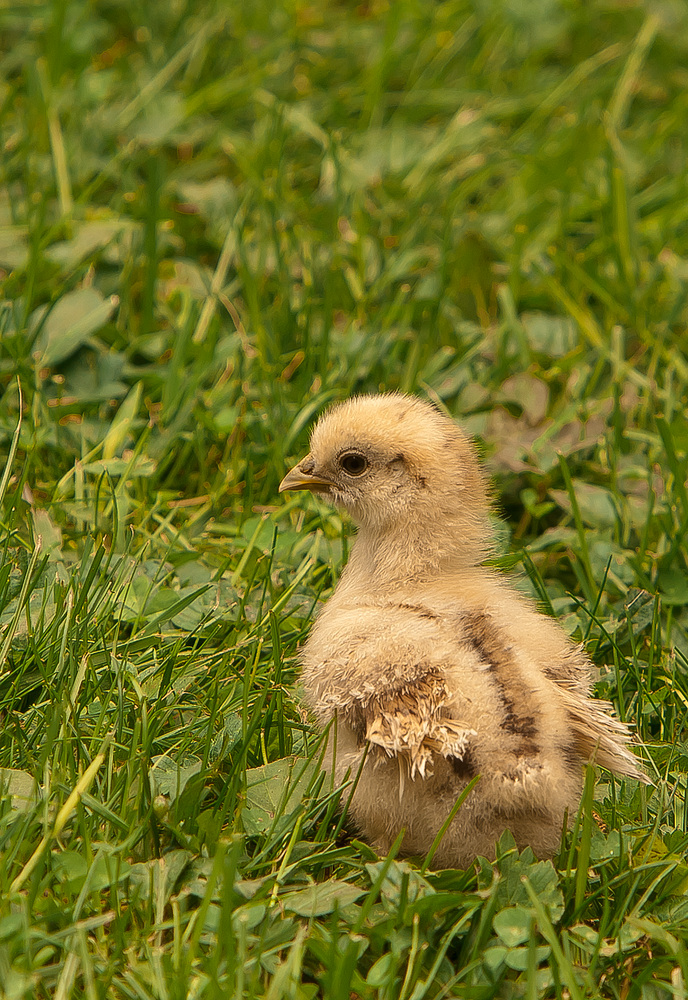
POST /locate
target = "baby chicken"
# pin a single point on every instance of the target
(430, 666)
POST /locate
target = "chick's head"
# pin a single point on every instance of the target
(392, 461)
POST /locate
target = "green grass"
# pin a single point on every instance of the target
(214, 220)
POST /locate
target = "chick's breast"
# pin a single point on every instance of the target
(423, 702)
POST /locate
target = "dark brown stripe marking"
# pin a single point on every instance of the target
(572, 667)
(572, 758)
(420, 610)
(519, 718)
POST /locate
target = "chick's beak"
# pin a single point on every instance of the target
(304, 476)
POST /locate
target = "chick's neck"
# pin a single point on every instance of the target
(387, 557)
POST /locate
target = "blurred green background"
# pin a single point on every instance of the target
(294, 202)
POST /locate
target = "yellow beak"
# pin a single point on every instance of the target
(300, 479)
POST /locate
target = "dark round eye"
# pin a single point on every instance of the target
(353, 463)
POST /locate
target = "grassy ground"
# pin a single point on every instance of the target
(214, 219)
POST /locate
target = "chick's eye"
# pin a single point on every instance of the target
(353, 462)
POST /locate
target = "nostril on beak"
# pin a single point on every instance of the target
(307, 465)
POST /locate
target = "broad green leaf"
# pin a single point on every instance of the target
(597, 507)
(20, 786)
(274, 791)
(169, 777)
(399, 872)
(89, 237)
(495, 956)
(604, 552)
(233, 729)
(513, 925)
(158, 878)
(161, 599)
(673, 585)
(72, 869)
(249, 916)
(513, 868)
(381, 970)
(639, 608)
(228, 737)
(193, 572)
(550, 335)
(321, 898)
(216, 603)
(517, 958)
(14, 252)
(69, 324)
(51, 535)
(589, 939)
(69, 865)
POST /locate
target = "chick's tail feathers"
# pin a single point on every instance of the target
(599, 737)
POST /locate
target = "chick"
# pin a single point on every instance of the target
(431, 668)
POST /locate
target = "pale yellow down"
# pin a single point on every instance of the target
(431, 667)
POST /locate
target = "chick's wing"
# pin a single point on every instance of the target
(391, 679)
